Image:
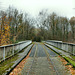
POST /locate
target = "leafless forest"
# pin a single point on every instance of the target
(17, 26)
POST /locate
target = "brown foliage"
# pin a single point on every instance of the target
(4, 31)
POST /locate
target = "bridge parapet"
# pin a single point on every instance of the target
(68, 47)
(7, 51)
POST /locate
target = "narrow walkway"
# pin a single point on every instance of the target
(43, 61)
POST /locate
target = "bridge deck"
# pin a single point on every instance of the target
(42, 61)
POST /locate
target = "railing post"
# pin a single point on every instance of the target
(13, 49)
(73, 49)
(4, 53)
(67, 47)
(19, 48)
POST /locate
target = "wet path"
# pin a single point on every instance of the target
(43, 61)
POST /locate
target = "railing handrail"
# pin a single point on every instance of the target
(60, 42)
(14, 44)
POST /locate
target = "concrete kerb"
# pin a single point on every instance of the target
(53, 49)
(58, 52)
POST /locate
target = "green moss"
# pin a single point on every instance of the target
(4, 68)
(15, 51)
(70, 61)
(73, 57)
(7, 64)
(56, 47)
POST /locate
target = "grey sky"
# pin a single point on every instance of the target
(61, 7)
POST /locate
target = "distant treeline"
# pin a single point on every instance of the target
(54, 27)
(17, 26)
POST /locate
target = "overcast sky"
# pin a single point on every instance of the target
(61, 7)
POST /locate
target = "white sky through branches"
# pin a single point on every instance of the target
(61, 7)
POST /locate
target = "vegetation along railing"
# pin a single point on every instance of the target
(68, 47)
(9, 50)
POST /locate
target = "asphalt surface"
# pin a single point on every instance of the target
(43, 61)
(33, 51)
